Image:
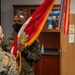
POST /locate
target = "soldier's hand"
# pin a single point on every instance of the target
(21, 48)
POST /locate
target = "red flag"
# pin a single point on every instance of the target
(33, 26)
(67, 17)
(62, 10)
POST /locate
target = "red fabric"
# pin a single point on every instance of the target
(35, 23)
(67, 17)
(62, 10)
(38, 15)
(14, 47)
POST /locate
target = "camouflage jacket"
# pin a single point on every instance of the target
(8, 64)
(31, 54)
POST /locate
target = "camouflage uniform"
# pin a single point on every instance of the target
(31, 54)
(7, 42)
(8, 65)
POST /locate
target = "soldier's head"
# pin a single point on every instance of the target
(18, 22)
(1, 35)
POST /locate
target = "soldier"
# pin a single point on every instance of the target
(29, 54)
(8, 64)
